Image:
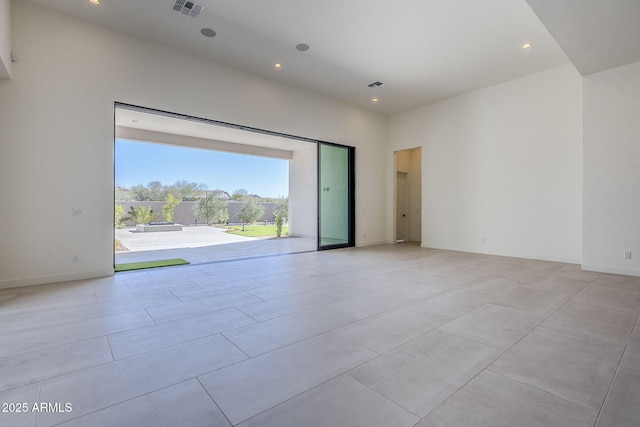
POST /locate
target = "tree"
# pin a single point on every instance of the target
(142, 215)
(239, 194)
(156, 190)
(169, 207)
(280, 214)
(251, 211)
(212, 209)
(123, 195)
(139, 192)
(185, 190)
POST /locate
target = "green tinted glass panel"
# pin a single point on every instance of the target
(334, 227)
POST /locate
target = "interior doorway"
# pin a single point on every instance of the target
(408, 195)
(402, 207)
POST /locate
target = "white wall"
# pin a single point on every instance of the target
(501, 167)
(612, 170)
(303, 194)
(5, 39)
(56, 128)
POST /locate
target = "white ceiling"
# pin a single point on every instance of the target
(203, 129)
(423, 50)
(596, 34)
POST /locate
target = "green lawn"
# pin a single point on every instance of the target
(257, 230)
(149, 264)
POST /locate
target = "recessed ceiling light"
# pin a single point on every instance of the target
(96, 2)
(302, 47)
(277, 65)
(374, 100)
(527, 45)
(208, 32)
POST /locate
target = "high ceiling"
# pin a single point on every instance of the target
(422, 50)
(596, 34)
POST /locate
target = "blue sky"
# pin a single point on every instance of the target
(140, 163)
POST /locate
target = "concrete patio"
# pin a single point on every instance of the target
(203, 244)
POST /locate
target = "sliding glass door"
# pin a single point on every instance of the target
(336, 201)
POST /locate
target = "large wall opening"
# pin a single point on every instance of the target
(175, 148)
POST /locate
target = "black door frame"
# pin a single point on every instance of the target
(351, 204)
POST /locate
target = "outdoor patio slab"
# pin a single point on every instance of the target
(204, 244)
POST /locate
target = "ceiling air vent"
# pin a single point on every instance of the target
(188, 8)
(376, 84)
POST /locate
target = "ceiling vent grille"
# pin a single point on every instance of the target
(188, 8)
(375, 84)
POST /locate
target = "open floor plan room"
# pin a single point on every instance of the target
(391, 335)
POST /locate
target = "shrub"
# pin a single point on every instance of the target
(118, 214)
(280, 214)
(142, 215)
(169, 207)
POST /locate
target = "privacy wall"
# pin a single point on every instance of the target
(56, 133)
(501, 167)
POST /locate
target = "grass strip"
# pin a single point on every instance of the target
(129, 266)
(257, 230)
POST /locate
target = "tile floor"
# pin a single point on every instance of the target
(381, 336)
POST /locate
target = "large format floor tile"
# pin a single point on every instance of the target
(51, 362)
(631, 355)
(25, 397)
(255, 385)
(51, 336)
(183, 404)
(376, 336)
(533, 300)
(493, 285)
(621, 298)
(604, 324)
(575, 368)
(427, 370)
(24, 321)
(491, 400)
(180, 310)
(493, 325)
(107, 308)
(455, 302)
(273, 334)
(282, 306)
(622, 407)
(340, 402)
(393, 328)
(117, 382)
(161, 335)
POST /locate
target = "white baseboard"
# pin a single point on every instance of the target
(373, 243)
(43, 280)
(540, 257)
(611, 270)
